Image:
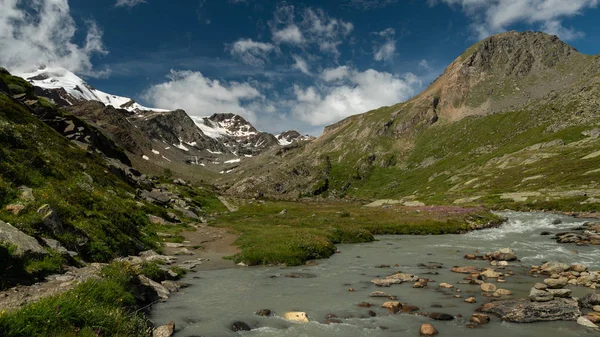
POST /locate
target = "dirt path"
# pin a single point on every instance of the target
(216, 243)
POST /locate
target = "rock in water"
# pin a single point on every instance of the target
(538, 295)
(504, 254)
(393, 307)
(166, 330)
(590, 300)
(525, 311)
(296, 316)
(488, 287)
(586, 322)
(550, 268)
(264, 312)
(428, 330)
(240, 326)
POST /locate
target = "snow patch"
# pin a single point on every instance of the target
(233, 161)
(145, 157)
(214, 152)
(155, 152)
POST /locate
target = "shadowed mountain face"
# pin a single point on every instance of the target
(511, 119)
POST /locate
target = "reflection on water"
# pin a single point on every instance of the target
(218, 298)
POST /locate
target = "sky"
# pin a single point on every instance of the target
(281, 64)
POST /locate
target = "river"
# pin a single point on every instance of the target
(217, 298)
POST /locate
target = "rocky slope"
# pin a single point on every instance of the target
(513, 119)
(160, 137)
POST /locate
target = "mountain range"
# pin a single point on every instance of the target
(512, 120)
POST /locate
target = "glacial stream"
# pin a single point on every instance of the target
(217, 298)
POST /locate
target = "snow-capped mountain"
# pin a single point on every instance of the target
(69, 89)
(220, 141)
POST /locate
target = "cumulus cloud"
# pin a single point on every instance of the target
(494, 16)
(251, 52)
(202, 96)
(385, 51)
(36, 33)
(352, 92)
(290, 34)
(129, 3)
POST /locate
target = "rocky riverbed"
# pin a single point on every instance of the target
(483, 282)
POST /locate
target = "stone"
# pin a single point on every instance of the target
(579, 268)
(157, 220)
(264, 313)
(50, 219)
(479, 319)
(403, 277)
(536, 295)
(525, 311)
(438, 316)
(563, 293)
(23, 243)
(556, 283)
(392, 306)
(26, 193)
(55, 245)
(583, 321)
(502, 292)
(296, 316)
(541, 286)
(446, 285)
(240, 326)
(504, 254)
(166, 330)
(550, 268)
(470, 300)
(15, 209)
(464, 270)
(488, 287)
(409, 309)
(590, 300)
(378, 294)
(427, 330)
(160, 290)
(420, 284)
(490, 273)
(385, 282)
(596, 308)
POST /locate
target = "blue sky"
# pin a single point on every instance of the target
(282, 64)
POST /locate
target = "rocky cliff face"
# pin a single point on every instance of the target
(505, 118)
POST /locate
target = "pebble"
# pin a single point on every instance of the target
(428, 330)
(470, 300)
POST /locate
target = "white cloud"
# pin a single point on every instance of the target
(301, 64)
(41, 32)
(310, 26)
(333, 74)
(494, 16)
(202, 96)
(385, 51)
(369, 4)
(251, 52)
(359, 92)
(424, 64)
(129, 3)
(290, 34)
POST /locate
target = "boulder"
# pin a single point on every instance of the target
(526, 311)
(446, 285)
(403, 277)
(392, 306)
(166, 330)
(386, 282)
(240, 326)
(590, 300)
(160, 290)
(504, 254)
(50, 219)
(488, 287)
(502, 292)
(541, 286)
(586, 322)
(15, 209)
(264, 313)
(379, 294)
(553, 267)
(427, 330)
(296, 316)
(558, 283)
(563, 293)
(578, 268)
(537, 295)
(479, 319)
(26, 194)
(438, 316)
(23, 243)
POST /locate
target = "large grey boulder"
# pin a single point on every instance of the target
(24, 243)
(526, 311)
(554, 267)
(166, 330)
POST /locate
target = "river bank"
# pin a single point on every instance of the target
(335, 286)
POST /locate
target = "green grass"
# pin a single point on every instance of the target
(105, 307)
(310, 230)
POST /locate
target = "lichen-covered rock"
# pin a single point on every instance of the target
(23, 243)
(526, 311)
